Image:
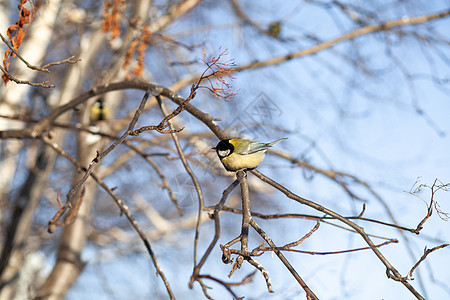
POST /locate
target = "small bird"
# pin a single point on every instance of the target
(242, 154)
(274, 29)
(98, 111)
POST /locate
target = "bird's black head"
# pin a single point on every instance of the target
(100, 103)
(224, 148)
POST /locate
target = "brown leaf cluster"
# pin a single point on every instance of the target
(138, 47)
(112, 10)
(16, 33)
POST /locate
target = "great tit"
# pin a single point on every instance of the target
(98, 111)
(242, 154)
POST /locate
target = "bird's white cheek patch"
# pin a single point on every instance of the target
(223, 153)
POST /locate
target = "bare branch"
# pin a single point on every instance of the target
(196, 273)
(390, 270)
(434, 188)
(100, 156)
(123, 208)
(348, 36)
(19, 81)
(70, 217)
(425, 254)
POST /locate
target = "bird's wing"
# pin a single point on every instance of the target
(240, 145)
(256, 147)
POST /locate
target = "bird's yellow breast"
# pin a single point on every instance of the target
(235, 162)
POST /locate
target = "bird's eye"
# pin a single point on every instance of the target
(223, 153)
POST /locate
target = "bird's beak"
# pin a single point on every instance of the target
(213, 148)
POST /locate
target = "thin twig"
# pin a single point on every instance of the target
(312, 217)
(288, 249)
(263, 271)
(425, 254)
(70, 217)
(20, 81)
(69, 60)
(223, 283)
(296, 243)
(33, 67)
(435, 187)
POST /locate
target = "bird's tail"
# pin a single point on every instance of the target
(275, 142)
